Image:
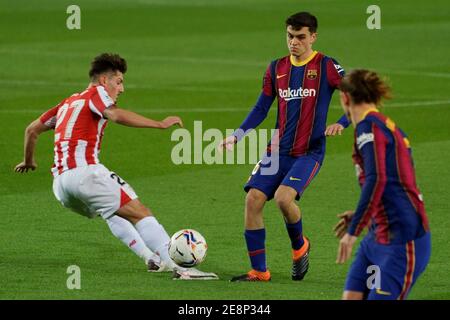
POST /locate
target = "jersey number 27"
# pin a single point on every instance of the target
(68, 110)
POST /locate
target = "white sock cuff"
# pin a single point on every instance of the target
(155, 236)
(147, 221)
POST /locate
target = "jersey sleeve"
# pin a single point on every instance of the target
(100, 101)
(371, 143)
(268, 80)
(256, 115)
(344, 121)
(48, 118)
(335, 72)
(358, 167)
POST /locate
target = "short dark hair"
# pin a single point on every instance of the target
(107, 62)
(302, 19)
(365, 86)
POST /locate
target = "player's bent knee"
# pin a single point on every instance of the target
(255, 199)
(285, 196)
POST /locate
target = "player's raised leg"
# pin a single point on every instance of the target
(255, 236)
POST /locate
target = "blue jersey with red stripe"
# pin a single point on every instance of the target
(390, 199)
(304, 93)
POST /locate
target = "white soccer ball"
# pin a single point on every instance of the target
(187, 248)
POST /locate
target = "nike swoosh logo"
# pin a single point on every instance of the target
(383, 293)
(294, 179)
(281, 75)
(293, 98)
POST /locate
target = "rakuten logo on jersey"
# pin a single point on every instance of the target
(291, 94)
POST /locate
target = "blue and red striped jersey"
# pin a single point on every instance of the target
(304, 93)
(390, 200)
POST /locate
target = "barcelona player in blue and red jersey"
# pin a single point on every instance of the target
(303, 82)
(398, 243)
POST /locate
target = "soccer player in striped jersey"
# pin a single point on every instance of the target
(303, 82)
(398, 244)
(82, 183)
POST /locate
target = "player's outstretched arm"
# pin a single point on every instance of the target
(132, 119)
(31, 135)
(254, 119)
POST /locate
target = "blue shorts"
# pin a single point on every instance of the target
(398, 265)
(295, 172)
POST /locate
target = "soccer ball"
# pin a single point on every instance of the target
(187, 248)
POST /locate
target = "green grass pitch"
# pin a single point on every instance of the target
(204, 60)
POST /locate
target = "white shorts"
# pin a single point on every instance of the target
(92, 190)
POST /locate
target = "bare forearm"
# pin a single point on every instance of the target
(31, 135)
(131, 119)
(30, 140)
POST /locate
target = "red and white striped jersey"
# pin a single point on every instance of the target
(79, 124)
